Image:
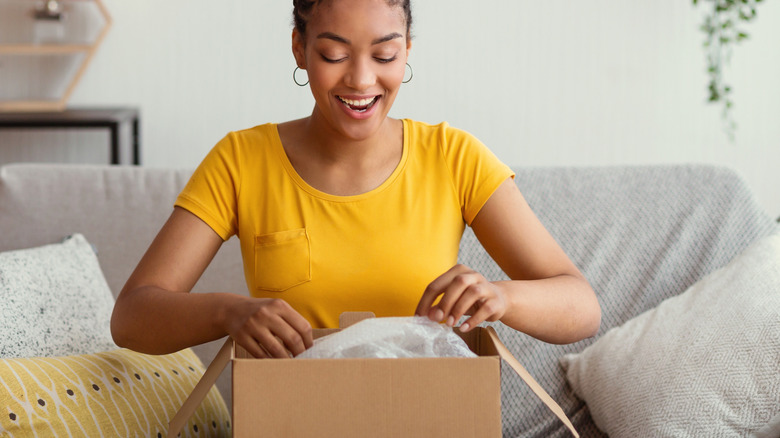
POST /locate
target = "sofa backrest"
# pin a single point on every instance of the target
(118, 209)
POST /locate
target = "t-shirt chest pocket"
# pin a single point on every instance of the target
(282, 260)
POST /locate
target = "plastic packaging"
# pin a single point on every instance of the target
(394, 337)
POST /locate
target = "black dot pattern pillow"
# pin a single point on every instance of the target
(115, 393)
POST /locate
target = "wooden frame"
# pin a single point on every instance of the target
(55, 49)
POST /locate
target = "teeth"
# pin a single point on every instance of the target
(361, 102)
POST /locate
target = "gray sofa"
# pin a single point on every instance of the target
(640, 235)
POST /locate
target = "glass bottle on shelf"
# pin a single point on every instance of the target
(49, 27)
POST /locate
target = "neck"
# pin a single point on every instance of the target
(333, 146)
(333, 162)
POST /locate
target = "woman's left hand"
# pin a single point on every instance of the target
(463, 291)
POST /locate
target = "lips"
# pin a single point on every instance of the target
(359, 105)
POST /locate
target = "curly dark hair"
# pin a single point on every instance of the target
(302, 12)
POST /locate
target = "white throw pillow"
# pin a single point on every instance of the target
(55, 301)
(704, 363)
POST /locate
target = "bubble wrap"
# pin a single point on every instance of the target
(390, 338)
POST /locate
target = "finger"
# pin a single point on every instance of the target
(292, 340)
(252, 347)
(287, 323)
(468, 302)
(431, 292)
(302, 328)
(272, 345)
(486, 311)
(426, 300)
(453, 294)
(434, 289)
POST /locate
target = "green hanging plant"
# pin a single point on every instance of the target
(722, 25)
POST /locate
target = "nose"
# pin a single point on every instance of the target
(360, 75)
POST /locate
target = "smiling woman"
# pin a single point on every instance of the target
(354, 72)
(348, 209)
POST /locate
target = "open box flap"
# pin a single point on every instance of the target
(347, 319)
(202, 389)
(537, 389)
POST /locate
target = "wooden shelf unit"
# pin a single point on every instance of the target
(36, 105)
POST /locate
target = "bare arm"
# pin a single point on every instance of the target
(155, 313)
(547, 298)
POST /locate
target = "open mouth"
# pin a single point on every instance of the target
(360, 105)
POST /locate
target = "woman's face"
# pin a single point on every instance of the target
(355, 54)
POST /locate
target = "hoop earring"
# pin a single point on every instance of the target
(411, 74)
(295, 79)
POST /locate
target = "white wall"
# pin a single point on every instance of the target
(599, 82)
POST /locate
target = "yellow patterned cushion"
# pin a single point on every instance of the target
(118, 393)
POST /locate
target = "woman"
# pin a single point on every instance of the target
(349, 209)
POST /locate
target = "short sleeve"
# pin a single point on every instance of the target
(211, 194)
(476, 171)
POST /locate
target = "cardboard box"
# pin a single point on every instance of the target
(409, 397)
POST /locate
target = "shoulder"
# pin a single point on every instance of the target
(265, 132)
(442, 134)
(238, 150)
(441, 128)
(244, 143)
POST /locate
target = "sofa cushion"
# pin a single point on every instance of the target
(119, 393)
(55, 301)
(706, 360)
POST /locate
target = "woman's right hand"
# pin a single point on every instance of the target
(267, 327)
(156, 314)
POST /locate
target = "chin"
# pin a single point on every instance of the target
(363, 131)
(359, 130)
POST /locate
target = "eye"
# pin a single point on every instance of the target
(386, 60)
(332, 60)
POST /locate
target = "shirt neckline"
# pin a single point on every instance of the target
(303, 185)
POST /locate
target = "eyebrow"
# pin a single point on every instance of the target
(341, 39)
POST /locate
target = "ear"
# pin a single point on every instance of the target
(408, 46)
(299, 49)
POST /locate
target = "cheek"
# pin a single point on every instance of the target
(322, 79)
(396, 75)
(392, 75)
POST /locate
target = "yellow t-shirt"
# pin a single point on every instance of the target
(327, 254)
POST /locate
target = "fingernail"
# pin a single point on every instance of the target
(464, 327)
(451, 321)
(438, 315)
